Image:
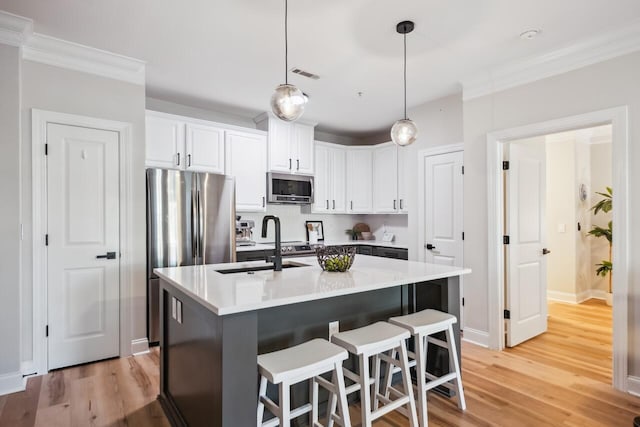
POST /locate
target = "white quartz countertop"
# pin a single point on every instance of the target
(269, 246)
(226, 294)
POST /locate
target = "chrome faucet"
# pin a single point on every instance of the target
(277, 258)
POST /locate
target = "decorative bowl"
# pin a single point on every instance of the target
(336, 258)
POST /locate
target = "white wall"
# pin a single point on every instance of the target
(583, 266)
(61, 90)
(605, 85)
(600, 180)
(10, 209)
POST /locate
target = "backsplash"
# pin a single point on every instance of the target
(292, 221)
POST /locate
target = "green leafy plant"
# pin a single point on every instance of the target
(604, 205)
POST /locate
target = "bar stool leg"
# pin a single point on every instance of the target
(342, 396)
(313, 395)
(408, 385)
(376, 383)
(421, 373)
(332, 403)
(285, 404)
(365, 390)
(453, 358)
(262, 393)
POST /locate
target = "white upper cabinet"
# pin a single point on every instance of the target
(359, 180)
(291, 145)
(330, 178)
(246, 160)
(164, 142)
(403, 160)
(205, 148)
(385, 184)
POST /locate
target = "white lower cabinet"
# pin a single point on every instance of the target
(359, 180)
(246, 160)
(330, 178)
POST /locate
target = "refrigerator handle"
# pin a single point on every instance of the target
(200, 229)
(194, 226)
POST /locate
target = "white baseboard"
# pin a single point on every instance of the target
(633, 385)
(28, 368)
(139, 346)
(576, 298)
(12, 382)
(476, 337)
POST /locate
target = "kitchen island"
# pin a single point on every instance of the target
(216, 319)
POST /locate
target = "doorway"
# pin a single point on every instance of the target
(496, 143)
(558, 246)
(81, 172)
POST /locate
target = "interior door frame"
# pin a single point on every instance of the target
(618, 118)
(422, 154)
(39, 121)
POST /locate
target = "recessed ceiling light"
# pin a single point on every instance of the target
(530, 34)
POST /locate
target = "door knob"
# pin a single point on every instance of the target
(108, 255)
(545, 251)
(429, 246)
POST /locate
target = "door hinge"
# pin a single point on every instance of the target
(46, 240)
(463, 235)
(463, 301)
(46, 331)
(505, 165)
(462, 170)
(505, 240)
(507, 314)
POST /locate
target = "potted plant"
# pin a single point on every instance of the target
(606, 266)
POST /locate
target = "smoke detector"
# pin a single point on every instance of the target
(530, 34)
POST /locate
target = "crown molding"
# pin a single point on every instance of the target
(74, 56)
(600, 48)
(14, 29)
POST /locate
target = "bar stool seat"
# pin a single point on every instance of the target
(422, 324)
(306, 361)
(378, 340)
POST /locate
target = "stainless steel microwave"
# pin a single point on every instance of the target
(289, 189)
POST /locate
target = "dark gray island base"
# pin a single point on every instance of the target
(208, 371)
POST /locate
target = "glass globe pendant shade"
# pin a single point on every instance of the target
(288, 102)
(404, 132)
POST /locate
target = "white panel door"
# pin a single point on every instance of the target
(280, 159)
(164, 143)
(360, 181)
(302, 149)
(442, 241)
(385, 178)
(83, 226)
(338, 180)
(246, 160)
(204, 148)
(526, 264)
(322, 181)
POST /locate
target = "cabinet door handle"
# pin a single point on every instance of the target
(352, 205)
(289, 164)
(263, 201)
(400, 204)
(394, 204)
(189, 160)
(327, 204)
(334, 204)
(297, 164)
(178, 159)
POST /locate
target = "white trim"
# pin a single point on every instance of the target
(12, 382)
(139, 346)
(14, 29)
(633, 384)
(596, 49)
(476, 337)
(39, 122)
(74, 56)
(572, 298)
(495, 141)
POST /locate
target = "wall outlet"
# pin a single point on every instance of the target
(334, 328)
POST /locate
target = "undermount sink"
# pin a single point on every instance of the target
(265, 267)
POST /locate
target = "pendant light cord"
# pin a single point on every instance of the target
(286, 43)
(405, 76)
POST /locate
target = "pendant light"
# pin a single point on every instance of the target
(287, 102)
(405, 131)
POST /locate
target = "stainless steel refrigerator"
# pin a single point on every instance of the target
(190, 221)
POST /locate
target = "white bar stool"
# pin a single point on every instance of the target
(302, 362)
(374, 340)
(421, 325)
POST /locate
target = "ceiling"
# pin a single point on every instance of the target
(229, 55)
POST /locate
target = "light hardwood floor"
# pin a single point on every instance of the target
(561, 378)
